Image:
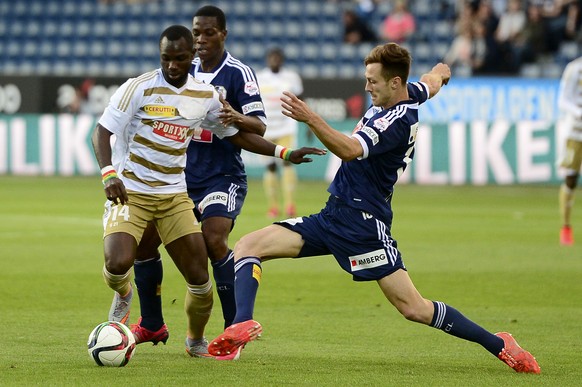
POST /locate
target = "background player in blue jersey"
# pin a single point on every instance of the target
(215, 175)
(355, 224)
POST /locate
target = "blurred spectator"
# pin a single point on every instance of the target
(561, 20)
(480, 51)
(511, 23)
(487, 16)
(356, 30)
(530, 42)
(458, 57)
(466, 16)
(484, 29)
(500, 6)
(75, 100)
(399, 24)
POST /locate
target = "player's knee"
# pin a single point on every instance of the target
(117, 265)
(247, 246)
(216, 240)
(415, 312)
(410, 314)
(197, 275)
(217, 248)
(572, 181)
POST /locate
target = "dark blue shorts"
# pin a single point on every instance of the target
(223, 197)
(360, 243)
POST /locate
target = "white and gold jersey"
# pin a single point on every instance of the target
(272, 86)
(570, 99)
(153, 123)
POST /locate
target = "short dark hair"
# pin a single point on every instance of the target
(276, 51)
(176, 32)
(212, 11)
(395, 60)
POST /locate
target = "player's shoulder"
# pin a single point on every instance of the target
(575, 64)
(290, 72)
(145, 79)
(197, 84)
(135, 88)
(236, 66)
(417, 87)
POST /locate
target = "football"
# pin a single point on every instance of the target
(111, 344)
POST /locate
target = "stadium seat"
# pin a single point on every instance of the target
(309, 31)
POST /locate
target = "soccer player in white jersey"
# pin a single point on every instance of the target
(215, 175)
(570, 102)
(153, 118)
(355, 224)
(273, 81)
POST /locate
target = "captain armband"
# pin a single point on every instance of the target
(108, 173)
(282, 152)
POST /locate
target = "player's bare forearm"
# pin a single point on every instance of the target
(251, 124)
(101, 141)
(438, 76)
(257, 144)
(346, 148)
(113, 187)
(252, 142)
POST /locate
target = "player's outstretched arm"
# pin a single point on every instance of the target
(436, 78)
(256, 144)
(345, 147)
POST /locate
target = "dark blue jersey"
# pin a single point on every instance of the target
(388, 137)
(208, 156)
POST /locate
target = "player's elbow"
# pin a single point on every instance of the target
(260, 128)
(348, 156)
(350, 151)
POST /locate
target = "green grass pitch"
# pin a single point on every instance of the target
(491, 252)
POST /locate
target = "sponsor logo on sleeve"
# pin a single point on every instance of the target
(202, 135)
(213, 198)
(371, 134)
(368, 260)
(358, 126)
(253, 107)
(381, 124)
(251, 88)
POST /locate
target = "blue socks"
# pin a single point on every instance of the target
(451, 321)
(223, 272)
(248, 277)
(148, 279)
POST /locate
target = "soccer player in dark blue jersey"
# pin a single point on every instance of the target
(215, 174)
(354, 226)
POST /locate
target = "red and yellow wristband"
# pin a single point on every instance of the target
(282, 152)
(108, 173)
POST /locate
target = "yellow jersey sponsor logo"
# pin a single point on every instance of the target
(160, 111)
